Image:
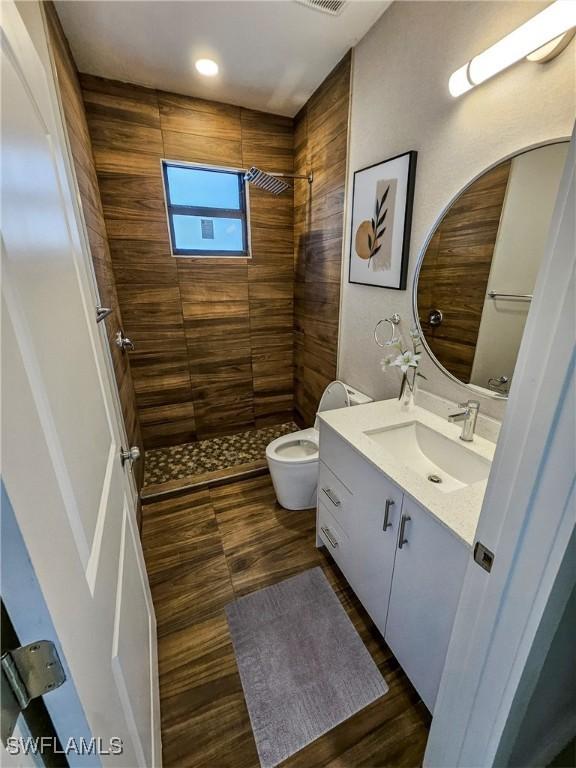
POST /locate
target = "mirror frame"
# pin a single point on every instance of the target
(477, 390)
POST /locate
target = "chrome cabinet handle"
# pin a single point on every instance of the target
(386, 524)
(129, 454)
(326, 532)
(332, 496)
(401, 539)
(124, 342)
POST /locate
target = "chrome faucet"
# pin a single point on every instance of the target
(468, 418)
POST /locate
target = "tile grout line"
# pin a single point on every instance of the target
(226, 559)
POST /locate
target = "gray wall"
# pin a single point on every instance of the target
(400, 101)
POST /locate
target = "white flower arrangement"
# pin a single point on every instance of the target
(407, 360)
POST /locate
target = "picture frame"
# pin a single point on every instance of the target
(382, 202)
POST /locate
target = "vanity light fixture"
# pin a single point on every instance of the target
(553, 22)
(207, 67)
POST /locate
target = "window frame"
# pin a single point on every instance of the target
(242, 213)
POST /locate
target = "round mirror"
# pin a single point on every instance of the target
(476, 275)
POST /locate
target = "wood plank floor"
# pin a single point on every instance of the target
(202, 550)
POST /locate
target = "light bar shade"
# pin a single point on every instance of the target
(459, 82)
(555, 20)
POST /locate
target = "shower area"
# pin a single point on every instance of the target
(215, 355)
(238, 331)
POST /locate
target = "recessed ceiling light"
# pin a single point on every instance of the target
(207, 67)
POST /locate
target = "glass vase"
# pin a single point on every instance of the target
(408, 395)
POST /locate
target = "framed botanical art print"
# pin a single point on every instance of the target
(382, 200)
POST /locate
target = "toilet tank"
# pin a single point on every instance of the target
(338, 395)
(356, 397)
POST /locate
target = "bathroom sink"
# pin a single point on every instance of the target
(445, 463)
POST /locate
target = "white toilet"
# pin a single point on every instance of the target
(293, 459)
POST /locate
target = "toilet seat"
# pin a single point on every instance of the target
(295, 448)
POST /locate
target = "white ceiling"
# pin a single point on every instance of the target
(272, 53)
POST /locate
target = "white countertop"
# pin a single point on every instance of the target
(459, 511)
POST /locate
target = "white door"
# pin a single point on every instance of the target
(72, 499)
(428, 574)
(13, 759)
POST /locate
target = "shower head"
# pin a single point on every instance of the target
(272, 182)
(266, 181)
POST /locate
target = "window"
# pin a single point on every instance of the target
(206, 210)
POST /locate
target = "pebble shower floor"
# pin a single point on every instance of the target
(178, 462)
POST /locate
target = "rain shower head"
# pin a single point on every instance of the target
(266, 181)
(271, 182)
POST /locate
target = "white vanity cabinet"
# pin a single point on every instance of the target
(367, 507)
(410, 591)
(428, 574)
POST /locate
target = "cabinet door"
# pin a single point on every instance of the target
(368, 507)
(377, 510)
(428, 573)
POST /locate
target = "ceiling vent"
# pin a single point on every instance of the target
(331, 7)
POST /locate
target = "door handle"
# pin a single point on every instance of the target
(332, 496)
(401, 539)
(386, 524)
(129, 454)
(326, 532)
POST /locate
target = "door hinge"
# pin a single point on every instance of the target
(483, 556)
(27, 673)
(102, 313)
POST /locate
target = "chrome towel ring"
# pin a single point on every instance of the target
(394, 321)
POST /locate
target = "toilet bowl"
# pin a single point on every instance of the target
(293, 459)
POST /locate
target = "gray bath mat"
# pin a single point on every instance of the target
(303, 666)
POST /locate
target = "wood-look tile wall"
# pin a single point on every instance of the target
(81, 149)
(214, 337)
(320, 141)
(455, 271)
